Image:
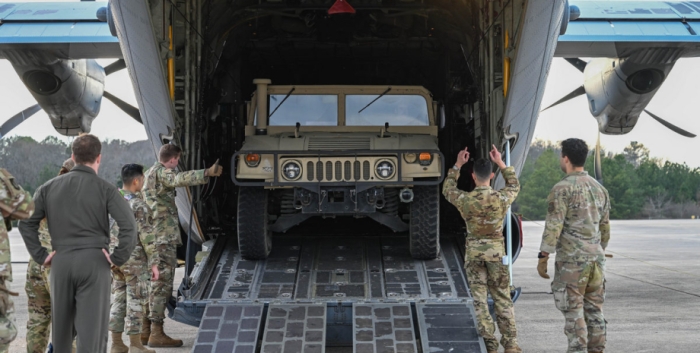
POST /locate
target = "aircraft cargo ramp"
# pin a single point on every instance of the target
(312, 293)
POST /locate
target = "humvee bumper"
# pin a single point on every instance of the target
(357, 168)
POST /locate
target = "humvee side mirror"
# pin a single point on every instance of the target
(296, 130)
(441, 117)
(385, 130)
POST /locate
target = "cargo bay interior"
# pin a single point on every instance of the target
(455, 49)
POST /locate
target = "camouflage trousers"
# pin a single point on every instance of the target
(162, 289)
(8, 330)
(493, 277)
(38, 306)
(579, 293)
(129, 298)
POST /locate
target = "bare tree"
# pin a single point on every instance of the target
(657, 206)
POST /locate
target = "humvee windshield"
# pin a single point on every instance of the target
(306, 109)
(322, 110)
(397, 110)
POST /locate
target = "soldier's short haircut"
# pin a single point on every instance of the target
(168, 152)
(483, 169)
(68, 164)
(131, 172)
(576, 150)
(86, 148)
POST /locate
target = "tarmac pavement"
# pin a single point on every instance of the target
(652, 302)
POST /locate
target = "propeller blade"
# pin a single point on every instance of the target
(12, 123)
(672, 127)
(578, 63)
(115, 66)
(577, 92)
(126, 107)
(598, 167)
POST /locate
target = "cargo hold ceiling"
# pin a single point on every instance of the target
(383, 42)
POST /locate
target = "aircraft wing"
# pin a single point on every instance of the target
(69, 30)
(615, 29)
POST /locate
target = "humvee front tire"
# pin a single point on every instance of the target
(254, 235)
(424, 227)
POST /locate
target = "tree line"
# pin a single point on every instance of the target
(640, 187)
(33, 163)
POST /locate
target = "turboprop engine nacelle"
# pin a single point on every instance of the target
(70, 91)
(619, 90)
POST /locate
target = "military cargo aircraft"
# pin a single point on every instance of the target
(193, 65)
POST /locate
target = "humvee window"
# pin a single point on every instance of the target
(306, 109)
(397, 110)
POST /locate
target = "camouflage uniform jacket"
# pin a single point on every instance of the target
(578, 220)
(159, 192)
(484, 211)
(145, 251)
(13, 197)
(44, 236)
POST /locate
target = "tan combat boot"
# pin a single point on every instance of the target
(135, 345)
(514, 350)
(160, 339)
(145, 330)
(118, 345)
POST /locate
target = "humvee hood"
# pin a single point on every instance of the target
(339, 142)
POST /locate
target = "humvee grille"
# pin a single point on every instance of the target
(348, 171)
(329, 171)
(334, 143)
(310, 171)
(337, 169)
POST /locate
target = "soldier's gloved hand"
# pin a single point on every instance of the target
(5, 294)
(215, 170)
(542, 265)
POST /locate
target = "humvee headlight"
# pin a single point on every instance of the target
(385, 169)
(291, 170)
(252, 159)
(410, 157)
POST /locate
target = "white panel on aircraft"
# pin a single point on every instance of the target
(536, 45)
(141, 53)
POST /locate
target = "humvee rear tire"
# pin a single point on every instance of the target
(254, 235)
(424, 228)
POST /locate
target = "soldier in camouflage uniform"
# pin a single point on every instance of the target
(131, 280)
(159, 192)
(578, 230)
(15, 203)
(484, 211)
(38, 290)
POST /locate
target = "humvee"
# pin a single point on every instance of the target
(331, 151)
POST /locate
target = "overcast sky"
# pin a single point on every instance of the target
(676, 102)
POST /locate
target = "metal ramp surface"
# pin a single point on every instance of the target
(370, 269)
(383, 328)
(228, 328)
(313, 293)
(449, 328)
(295, 328)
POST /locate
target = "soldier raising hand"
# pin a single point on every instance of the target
(484, 210)
(159, 193)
